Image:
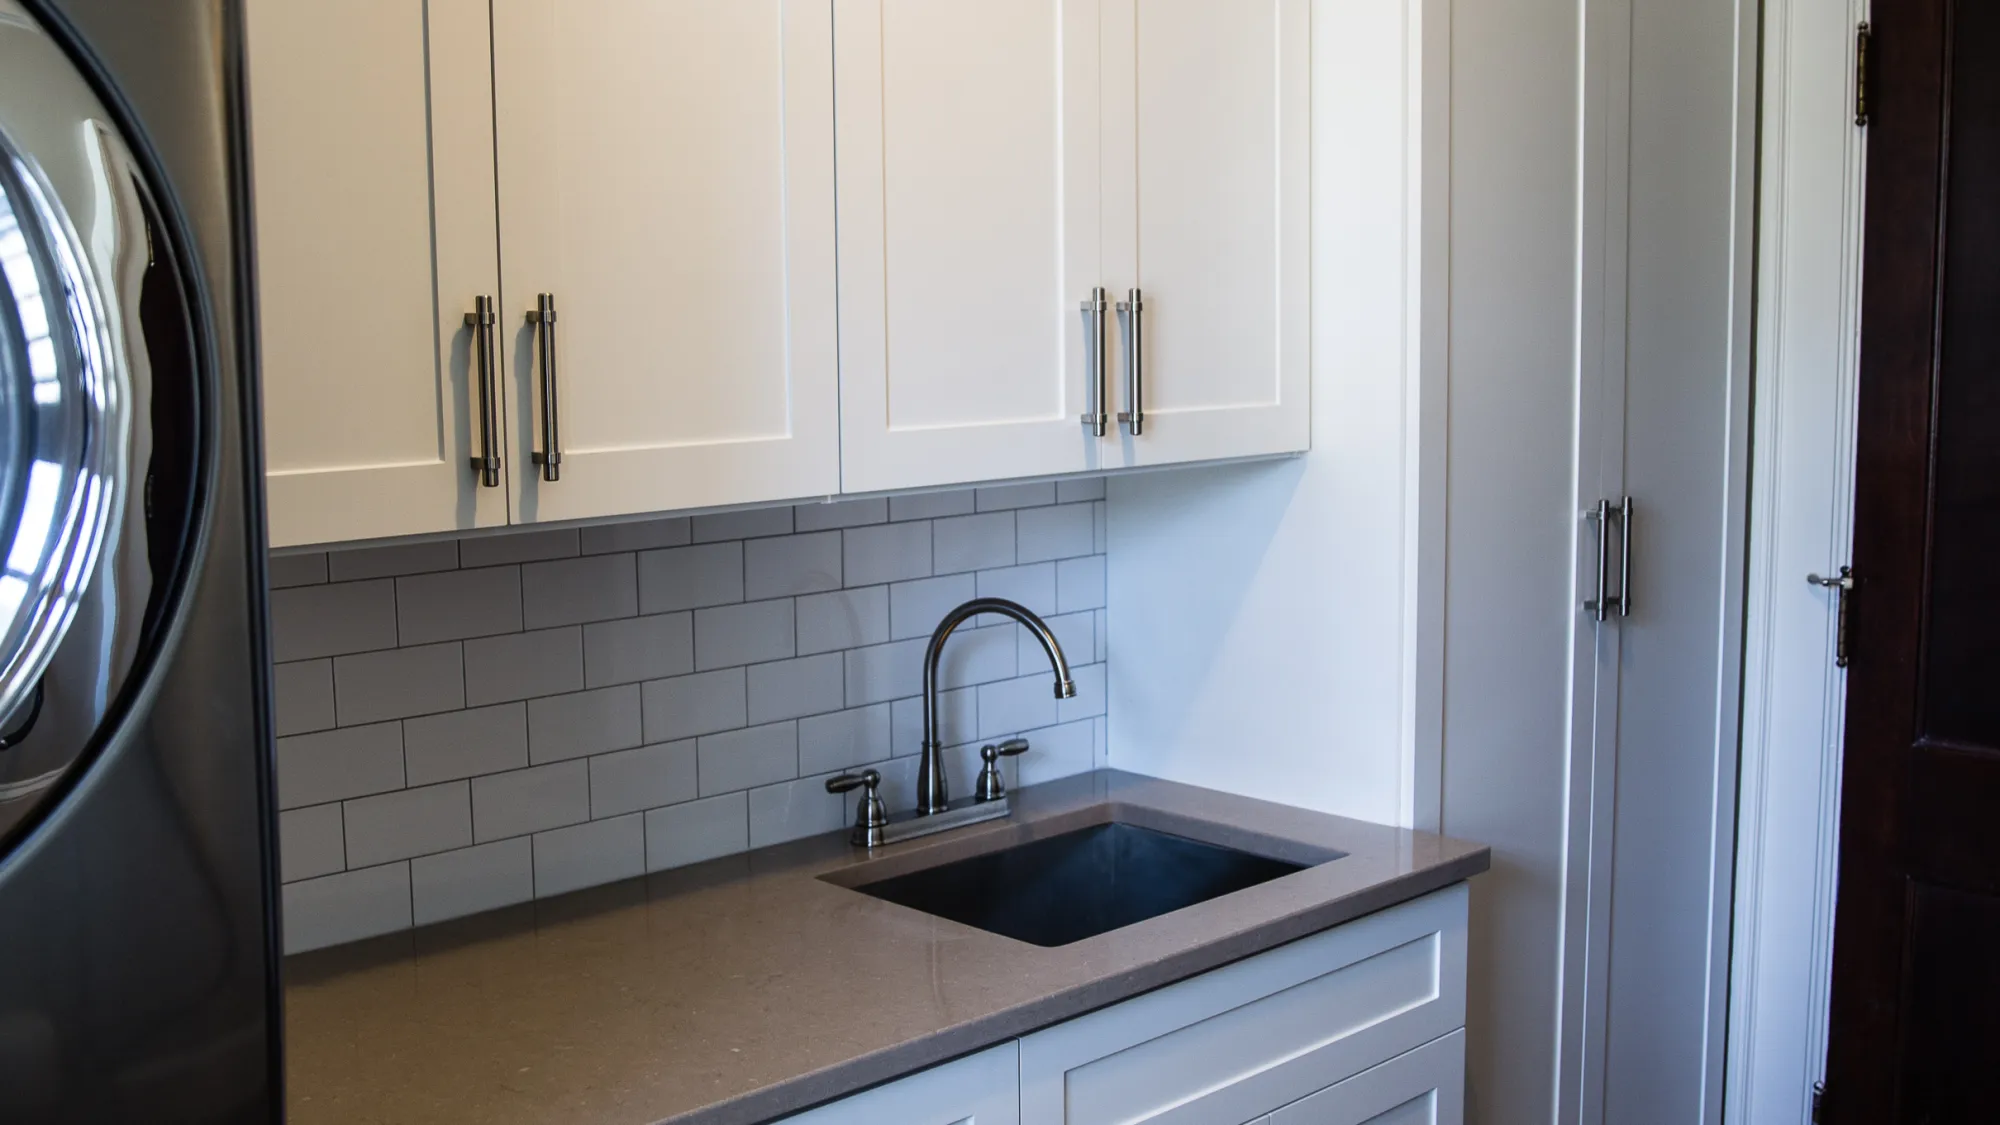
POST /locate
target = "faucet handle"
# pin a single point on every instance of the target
(991, 785)
(870, 816)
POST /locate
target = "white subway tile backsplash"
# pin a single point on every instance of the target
(931, 505)
(561, 727)
(1100, 514)
(886, 553)
(697, 831)
(1016, 496)
(310, 843)
(690, 577)
(602, 851)
(834, 742)
(638, 648)
(844, 513)
(409, 822)
(788, 689)
(303, 694)
(742, 759)
(1012, 706)
(457, 604)
(573, 591)
(916, 607)
(346, 907)
(389, 562)
(523, 666)
(793, 811)
(744, 634)
(351, 762)
(530, 800)
(517, 547)
(791, 564)
(398, 683)
(972, 542)
(646, 778)
(1080, 584)
(1062, 532)
(460, 744)
(310, 621)
(286, 571)
(751, 524)
(467, 881)
(1103, 636)
(1059, 751)
(686, 706)
(1079, 491)
(843, 620)
(1033, 586)
(469, 724)
(647, 535)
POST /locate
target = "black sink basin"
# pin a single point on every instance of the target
(1080, 884)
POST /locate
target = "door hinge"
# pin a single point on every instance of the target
(1819, 1103)
(1861, 37)
(1842, 585)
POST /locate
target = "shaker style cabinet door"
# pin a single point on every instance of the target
(1206, 169)
(981, 1089)
(666, 189)
(1423, 1087)
(969, 238)
(372, 141)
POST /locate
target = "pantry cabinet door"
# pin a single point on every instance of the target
(1207, 179)
(969, 237)
(666, 177)
(372, 142)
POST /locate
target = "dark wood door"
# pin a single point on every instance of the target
(1916, 962)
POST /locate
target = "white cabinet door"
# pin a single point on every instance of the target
(372, 136)
(1243, 1040)
(979, 1089)
(1424, 1087)
(666, 176)
(1206, 153)
(969, 237)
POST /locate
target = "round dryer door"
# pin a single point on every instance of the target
(94, 351)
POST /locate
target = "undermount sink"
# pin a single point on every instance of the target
(1080, 884)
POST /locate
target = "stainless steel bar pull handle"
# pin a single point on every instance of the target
(487, 461)
(1131, 313)
(1625, 558)
(549, 457)
(1599, 607)
(1098, 417)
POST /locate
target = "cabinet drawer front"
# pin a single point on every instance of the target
(975, 1090)
(1243, 1040)
(1423, 1087)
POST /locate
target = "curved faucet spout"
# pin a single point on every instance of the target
(932, 796)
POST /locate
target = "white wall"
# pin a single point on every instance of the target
(1279, 598)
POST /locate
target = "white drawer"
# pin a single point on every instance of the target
(1234, 1044)
(1423, 1087)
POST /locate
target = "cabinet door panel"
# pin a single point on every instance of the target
(372, 130)
(1243, 1040)
(1208, 215)
(979, 1089)
(1424, 1087)
(666, 173)
(969, 237)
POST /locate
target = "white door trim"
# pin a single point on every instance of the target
(1801, 520)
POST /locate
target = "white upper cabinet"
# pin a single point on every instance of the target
(969, 237)
(1207, 150)
(666, 177)
(372, 137)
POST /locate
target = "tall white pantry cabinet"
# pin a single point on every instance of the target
(524, 262)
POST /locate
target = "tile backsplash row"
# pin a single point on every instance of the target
(468, 724)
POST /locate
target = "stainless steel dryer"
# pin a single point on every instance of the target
(138, 951)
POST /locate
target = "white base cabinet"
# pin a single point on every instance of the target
(1361, 1024)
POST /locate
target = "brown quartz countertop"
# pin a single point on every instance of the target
(747, 988)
